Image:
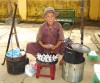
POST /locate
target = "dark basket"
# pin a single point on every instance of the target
(16, 65)
(46, 63)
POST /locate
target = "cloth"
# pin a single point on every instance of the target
(14, 53)
(47, 36)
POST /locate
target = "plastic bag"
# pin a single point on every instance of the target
(30, 69)
(14, 53)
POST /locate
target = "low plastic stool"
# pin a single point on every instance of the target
(92, 55)
(52, 71)
(96, 78)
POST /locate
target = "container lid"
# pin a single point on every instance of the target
(80, 48)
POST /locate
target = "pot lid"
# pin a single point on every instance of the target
(80, 48)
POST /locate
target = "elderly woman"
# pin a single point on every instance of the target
(50, 36)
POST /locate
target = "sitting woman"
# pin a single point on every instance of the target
(50, 36)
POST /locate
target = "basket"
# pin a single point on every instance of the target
(16, 65)
(46, 63)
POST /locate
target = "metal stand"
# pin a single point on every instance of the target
(82, 21)
(11, 33)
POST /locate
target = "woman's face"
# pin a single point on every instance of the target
(50, 18)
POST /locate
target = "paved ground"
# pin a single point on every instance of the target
(27, 33)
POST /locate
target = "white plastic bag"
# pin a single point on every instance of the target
(30, 69)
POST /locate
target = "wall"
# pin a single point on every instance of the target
(30, 10)
(94, 12)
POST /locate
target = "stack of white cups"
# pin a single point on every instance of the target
(47, 57)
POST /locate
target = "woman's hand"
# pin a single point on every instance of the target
(53, 47)
(46, 46)
(56, 46)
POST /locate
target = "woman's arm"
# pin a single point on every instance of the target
(57, 45)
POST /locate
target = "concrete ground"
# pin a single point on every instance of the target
(27, 33)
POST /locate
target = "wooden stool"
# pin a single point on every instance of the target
(92, 55)
(52, 71)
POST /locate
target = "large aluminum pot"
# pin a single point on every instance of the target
(73, 72)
